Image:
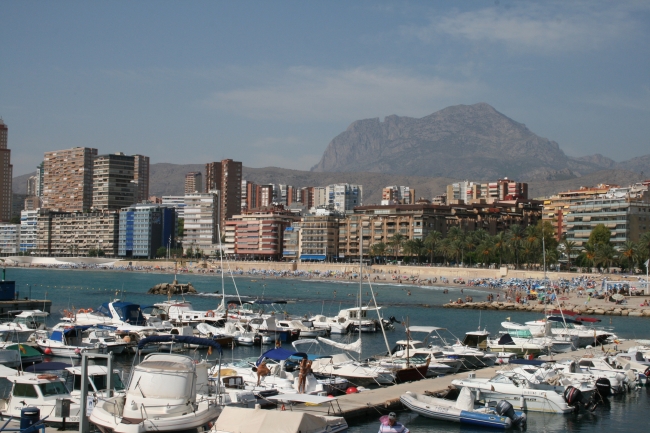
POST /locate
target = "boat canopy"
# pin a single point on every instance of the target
(128, 312)
(242, 420)
(560, 319)
(425, 329)
(279, 354)
(353, 347)
(179, 339)
(506, 340)
(47, 366)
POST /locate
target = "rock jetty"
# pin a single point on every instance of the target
(614, 310)
(171, 289)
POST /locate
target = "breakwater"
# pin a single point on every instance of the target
(614, 310)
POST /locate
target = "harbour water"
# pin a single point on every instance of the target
(75, 289)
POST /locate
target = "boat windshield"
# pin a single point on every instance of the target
(500, 378)
(53, 388)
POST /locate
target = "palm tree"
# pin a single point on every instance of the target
(500, 241)
(515, 238)
(432, 242)
(485, 250)
(570, 247)
(378, 249)
(590, 253)
(629, 252)
(606, 254)
(396, 243)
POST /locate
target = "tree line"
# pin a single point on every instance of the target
(528, 247)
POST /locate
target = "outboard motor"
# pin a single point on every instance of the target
(575, 399)
(603, 388)
(504, 408)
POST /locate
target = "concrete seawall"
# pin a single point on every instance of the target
(618, 310)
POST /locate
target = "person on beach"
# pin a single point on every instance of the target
(392, 426)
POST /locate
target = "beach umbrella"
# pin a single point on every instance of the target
(618, 297)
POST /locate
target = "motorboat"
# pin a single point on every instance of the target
(232, 330)
(240, 420)
(334, 325)
(526, 395)
(521, 347)
(459, 406)
(565, 327)
(9, 358)
(161, 395)
(41, 391)
(555, 343)
(306, 328)
(606, 367)
(357, 319)
(66, 340)
(114, 313)
(24, 325)
(106, 338)
(26, 354)
(183, 313)
(270, 332)
(357, 373)
(471, 351)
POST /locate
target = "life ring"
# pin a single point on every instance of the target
(47, 376)
(67, 313)
(232, 306)
(81, 310)
(210, 313)
(89, 310)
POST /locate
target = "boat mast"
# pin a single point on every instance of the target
(408, 342)
(223, 293)
(360, 287)
(381, 322)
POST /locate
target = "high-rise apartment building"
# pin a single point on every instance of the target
(200, 229)
(28, 226)
(397, 195)
(113, 185)
(265, 196)
(6, 174)
(141, 177)
(344, 197)
(225, 176)
(193, 182)
(68, 179)
(250, 195)
(39, 182)
(474, 192)
(144, 228)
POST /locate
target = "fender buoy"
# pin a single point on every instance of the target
(48, 351)
(283, 408)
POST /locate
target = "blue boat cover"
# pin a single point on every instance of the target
(179, 339)
(279, 354)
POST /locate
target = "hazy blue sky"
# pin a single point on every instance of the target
(271, 83)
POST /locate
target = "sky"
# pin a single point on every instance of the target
(271, 83)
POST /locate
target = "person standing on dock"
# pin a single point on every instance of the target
(390, 425)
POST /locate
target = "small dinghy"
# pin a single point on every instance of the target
(459, 407)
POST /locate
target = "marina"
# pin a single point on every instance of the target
(357, 408)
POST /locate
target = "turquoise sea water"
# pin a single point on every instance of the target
(88, 289)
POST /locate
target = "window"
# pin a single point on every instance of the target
(25, 390)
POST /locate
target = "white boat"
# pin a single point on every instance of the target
(556, 343)
(460, 407)
(522, 347)
(306, 328)
(335, 325)
(357, 373)
(526, 395)
(116, 313)
(471, 351)
(65, 340)
(161, 396)
(565, 327)
(41, 391)
(97, 380)
(239, 420)
(602, 367)
(439, 363)
(24, 325)
(9, 358)
(106, 338)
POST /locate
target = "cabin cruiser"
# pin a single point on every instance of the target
(268, 328)
(116, 313)
(520, 347)
(333, 325)
(565, 327)
(24, 325)
(356, 372)
(556, 343)
(161, 396)
(471, 351)
(106, 338)
(182, 313)
(41, 391)
(306, 328)
(97, 380)
(440, 364)
(605, 367)
(66, 340)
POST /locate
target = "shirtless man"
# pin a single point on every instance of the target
(262, 370)
(305, 369)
